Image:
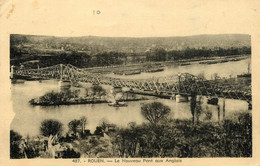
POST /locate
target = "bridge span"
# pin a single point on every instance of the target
(183, 83)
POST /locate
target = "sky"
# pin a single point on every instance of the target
(130, 18)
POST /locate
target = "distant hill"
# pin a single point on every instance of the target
(94, 44)
(90, 51)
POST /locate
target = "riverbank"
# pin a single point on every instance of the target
(81, 100)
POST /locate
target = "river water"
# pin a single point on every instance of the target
(222, 69)
(28, 118)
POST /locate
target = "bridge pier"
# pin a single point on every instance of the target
(64, 85)
(213, 101)
(181, 98)
(249, 105)
(12, 72)
(61, 72)
(224, 109)
(218, 107)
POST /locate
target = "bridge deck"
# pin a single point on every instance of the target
(184, 83)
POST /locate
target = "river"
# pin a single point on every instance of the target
(28, 118)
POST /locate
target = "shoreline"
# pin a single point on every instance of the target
(75, 102)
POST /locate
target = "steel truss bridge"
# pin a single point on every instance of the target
(183, 83)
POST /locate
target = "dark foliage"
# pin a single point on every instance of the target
(56, 98)
(51, 127)
(168, 138)
(189, 53)
(15, 150)
(98, 90)
(31, 151)
(70, 153)
(73, 126)
(155, 112)
(180, 138)
(99, 131)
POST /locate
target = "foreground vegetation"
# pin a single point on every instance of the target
(160, 136)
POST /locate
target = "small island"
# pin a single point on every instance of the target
(96, 95)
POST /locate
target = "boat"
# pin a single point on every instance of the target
(234, 59)
(184, 64)
(154, 70)
(118, 104)
(245, 75)
(17, 81)
(132, 73)
(209, 62)
(118, 73)
(224, 61)
(212, 62)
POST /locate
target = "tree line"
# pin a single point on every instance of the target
(84, 59)
(160, 54)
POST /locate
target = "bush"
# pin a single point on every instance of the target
(15, 150)
(51, 127)
(70, 153)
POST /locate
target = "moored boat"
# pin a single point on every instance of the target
(184, 64)
(244, 75)
(132, 73)
(118, 104)
(154, 70)
(17, 81)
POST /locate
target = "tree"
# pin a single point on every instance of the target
(104, 124)
(198, 109)
(155, 112)
(201, 76)
(73, 126)
(70, 153)
(215, 76)
(83, 122)
(87, 92)
(51, 127)
(98, 90)
(15, 140)
(160, 54)
(31, 147)
(99, 131)
(193, 105)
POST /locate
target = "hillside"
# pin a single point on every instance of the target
(124, 44)
(88, 51)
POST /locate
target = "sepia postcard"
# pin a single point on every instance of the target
(144, 82)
